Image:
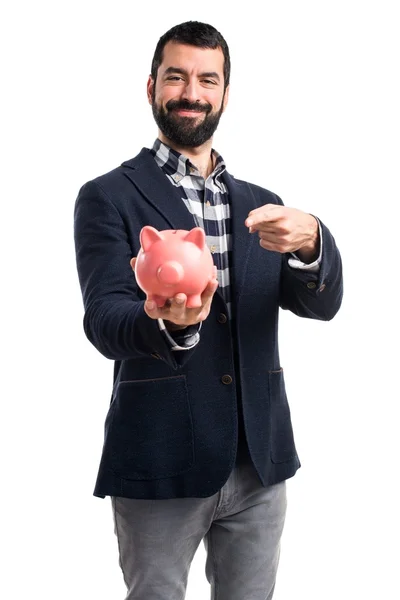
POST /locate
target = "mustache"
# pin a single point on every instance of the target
(186, 105)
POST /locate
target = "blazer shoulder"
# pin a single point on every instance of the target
(263, 195)
(115, 180)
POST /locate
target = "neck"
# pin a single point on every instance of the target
(201, 156)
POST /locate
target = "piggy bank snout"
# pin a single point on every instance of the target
(170, 272)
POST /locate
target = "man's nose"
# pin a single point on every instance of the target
(191, 91)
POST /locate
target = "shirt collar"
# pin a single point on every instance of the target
(178, 165)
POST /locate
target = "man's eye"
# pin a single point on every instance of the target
(174, 78)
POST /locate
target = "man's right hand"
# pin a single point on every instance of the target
(175, 312)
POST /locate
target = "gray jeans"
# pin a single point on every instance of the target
(241, 527)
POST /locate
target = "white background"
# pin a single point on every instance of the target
(313, 116)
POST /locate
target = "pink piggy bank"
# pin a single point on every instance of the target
(172, 261)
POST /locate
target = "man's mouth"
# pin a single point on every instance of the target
(188, 112)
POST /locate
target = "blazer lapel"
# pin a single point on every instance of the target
(151, 182)
(242, 201)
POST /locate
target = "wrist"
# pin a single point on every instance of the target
(170, 326)
(309, 252)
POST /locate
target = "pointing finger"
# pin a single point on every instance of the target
(263, 214)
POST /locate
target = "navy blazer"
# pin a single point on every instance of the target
(171, 429)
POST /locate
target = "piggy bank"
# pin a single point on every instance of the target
(172, 261)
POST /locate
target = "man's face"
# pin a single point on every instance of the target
(188, 98)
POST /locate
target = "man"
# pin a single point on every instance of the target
(198, 438)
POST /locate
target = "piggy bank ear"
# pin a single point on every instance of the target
(148, 236)
(196, 236)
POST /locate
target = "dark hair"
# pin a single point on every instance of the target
(197, 34)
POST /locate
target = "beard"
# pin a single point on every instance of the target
(183, 131)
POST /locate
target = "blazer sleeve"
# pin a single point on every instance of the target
(114, 319)
(314, 295)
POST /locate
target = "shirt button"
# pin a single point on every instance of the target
(226, 379)
(213, 249)
(222, 318)
(311, 285)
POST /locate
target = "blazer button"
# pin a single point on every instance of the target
(226, 379)
(311, 285)
(222, 318)
(155, 355)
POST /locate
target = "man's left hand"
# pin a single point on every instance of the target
(283, 229)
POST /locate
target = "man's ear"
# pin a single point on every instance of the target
(150, 86)
(226, 97)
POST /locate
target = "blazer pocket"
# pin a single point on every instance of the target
(151, 433)
(281, 433)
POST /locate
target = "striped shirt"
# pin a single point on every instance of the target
(208, 201)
